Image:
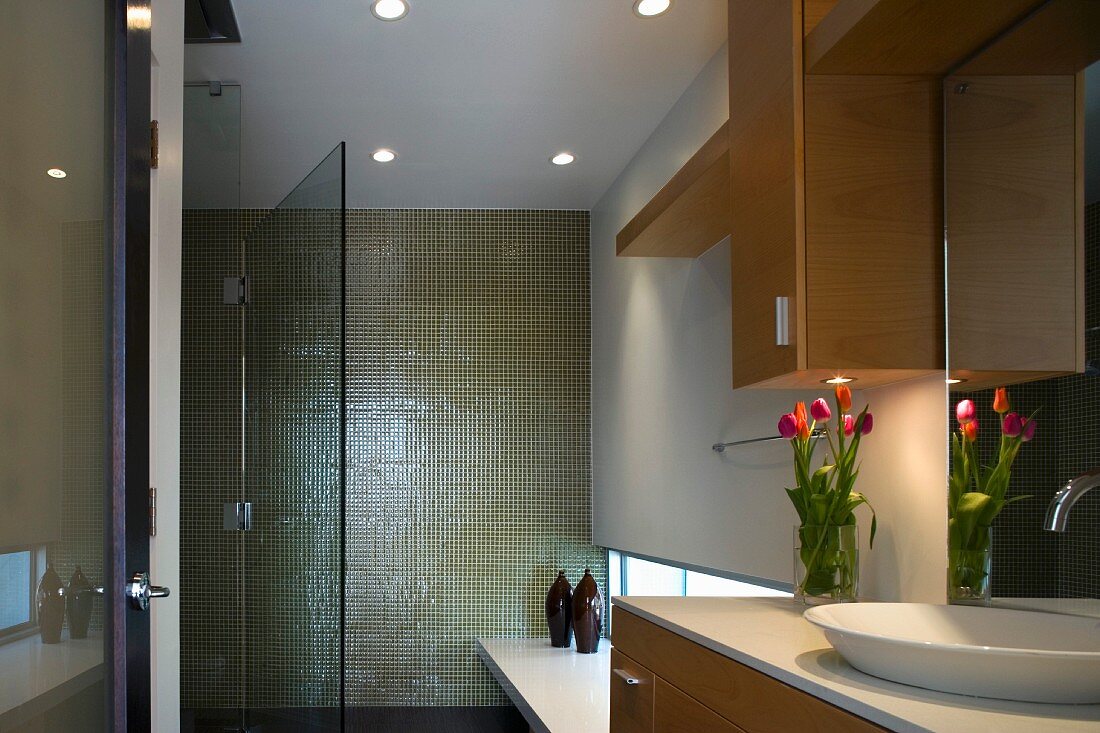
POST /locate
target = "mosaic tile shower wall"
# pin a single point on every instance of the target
(1027, 560)
(292, 554)
(468, 441)
(468, 452)
(210, 464)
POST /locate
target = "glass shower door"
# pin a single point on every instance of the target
(293, 467)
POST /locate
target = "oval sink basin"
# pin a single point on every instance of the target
(967, 650)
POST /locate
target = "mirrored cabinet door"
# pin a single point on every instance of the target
(1022, 224)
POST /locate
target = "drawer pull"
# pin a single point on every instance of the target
(627, 678)
(782, 321)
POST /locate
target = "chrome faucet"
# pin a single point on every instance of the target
(1067, 496)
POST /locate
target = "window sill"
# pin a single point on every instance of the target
(554, 689)
(32, 672)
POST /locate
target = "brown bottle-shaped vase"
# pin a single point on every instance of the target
(587, 614)
(51, 606)
(559, 611)
(78, 604)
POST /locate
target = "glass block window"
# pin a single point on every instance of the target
(16, 590)
(635, 576)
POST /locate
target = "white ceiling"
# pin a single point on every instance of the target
(474, 95)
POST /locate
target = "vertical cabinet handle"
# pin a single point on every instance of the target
(626, 677)
(782, 321)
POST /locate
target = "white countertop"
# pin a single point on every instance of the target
(557, 690)
(770, 635)
(1070, 606)
(29, 668)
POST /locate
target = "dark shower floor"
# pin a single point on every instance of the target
(506, 719)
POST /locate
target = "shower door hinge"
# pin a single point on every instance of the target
(235, 291)
(237, 516)
(154, 144)
(153, 512)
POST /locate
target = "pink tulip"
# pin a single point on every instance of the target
(1012, 425)
(965, 412)
(868, 423)
(1028, 431)
(849, 426)
(820, 410)
(788, 426)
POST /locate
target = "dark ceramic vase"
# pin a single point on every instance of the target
(559, 611)
(78, 604)
(587, 614)
(51, 606)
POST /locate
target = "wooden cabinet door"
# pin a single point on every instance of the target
(767, 225)
(631, 695)
(675, 712)
(1014, 243)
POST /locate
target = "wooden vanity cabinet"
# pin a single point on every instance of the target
(664, 683)
(835, 213)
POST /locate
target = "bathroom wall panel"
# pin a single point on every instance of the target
(468, 441)
(661, 396)
(468, 454)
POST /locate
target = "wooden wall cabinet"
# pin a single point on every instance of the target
(1015, 228)
(1015, 200)
(681, 687)
(835, 213)
(832, 168)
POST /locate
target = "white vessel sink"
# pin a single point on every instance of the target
(988, 652)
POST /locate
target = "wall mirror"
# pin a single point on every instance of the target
(1022, 216)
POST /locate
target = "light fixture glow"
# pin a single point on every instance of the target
(838, 380)
(383, 155)
(651, 8)
(56, 173)
(954, 380)
(139, 17)
(390, 9)
(562, 158)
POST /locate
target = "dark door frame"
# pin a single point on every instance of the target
(126, 629)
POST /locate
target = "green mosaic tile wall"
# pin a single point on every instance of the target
(468, 441)
(468, 453)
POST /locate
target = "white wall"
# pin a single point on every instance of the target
(661, 396)
(164, 354)
(904, 474)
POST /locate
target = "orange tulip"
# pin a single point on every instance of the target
(800, 412)
(843, 397)
(803, 430)
(1000, 401)
(970, 431)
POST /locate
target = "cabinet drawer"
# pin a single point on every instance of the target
(752, 700)
(675, 712)
(631, 695)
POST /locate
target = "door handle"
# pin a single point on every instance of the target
(139, 591)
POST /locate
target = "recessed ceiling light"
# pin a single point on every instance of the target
(651, 8)
(954, 380)
(838, 380)
(562, 158)
(383, 155)
(390, 9)
(56, 173)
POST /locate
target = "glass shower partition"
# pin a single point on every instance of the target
(293, 427)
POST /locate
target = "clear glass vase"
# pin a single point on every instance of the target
(826, 564)
(968, 571)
